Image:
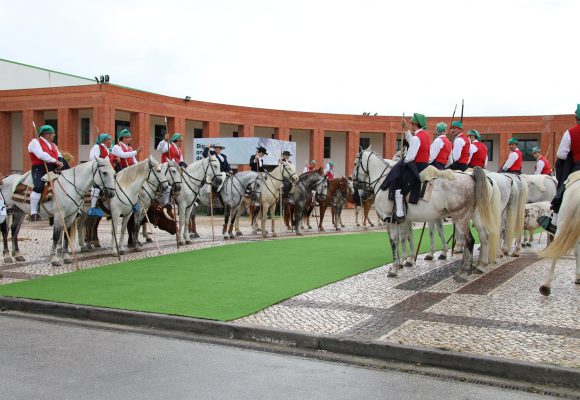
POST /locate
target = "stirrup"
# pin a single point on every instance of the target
(546, 223)
(95, 212)
(398, 220)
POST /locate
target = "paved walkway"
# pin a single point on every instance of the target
(500, 313)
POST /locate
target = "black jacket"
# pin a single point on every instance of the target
(254, 165)
(224, 165)
(404, 176)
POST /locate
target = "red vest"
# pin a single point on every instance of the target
(575, 142)
(173, 154)
(104, 153)
(443, 155)
(464, 158)
(517, 166)
(423, 152)
(126, 162)
(52, 151)
(547, 170)
(329, 174)
(478, 158)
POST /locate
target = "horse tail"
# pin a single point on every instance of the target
(521, 211)
(511, 216)
(484, 205)
(568, 234)
(495, 234)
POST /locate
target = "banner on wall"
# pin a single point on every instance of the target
(239, 150)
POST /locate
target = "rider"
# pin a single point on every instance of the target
(543, 166)
(286, 156)
(99, 150)
(170, 149)
(440, 148)
(461, 144)
(477, 150)
(123, 150)
(43, 155)
(568, 162)
(257, 160)
(216, 150)
(513, 164)
(329, 171)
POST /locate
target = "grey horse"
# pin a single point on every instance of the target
(307, 183)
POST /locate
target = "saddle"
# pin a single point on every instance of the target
(22, 194)
(430, 173)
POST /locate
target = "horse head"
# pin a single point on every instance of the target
(288, 170)
(322, 189)
(213, 173)
(104, 176)
(156, 170)
(171, 171)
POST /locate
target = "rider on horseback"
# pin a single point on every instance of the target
(461, 146)
(514, 162)
(440, 148)
(257, 160)
(477, 150)
(101, 150)
(543, 166)
(170, 149)
(124, 151)
(43, 151)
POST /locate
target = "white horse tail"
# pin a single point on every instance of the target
(511, 217)
(521, 212)
(484, 205)
(568, 234)
(494, 236)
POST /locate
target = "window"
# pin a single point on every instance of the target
(525, 146)
(85, 131)
(197, 133)
(120, 125)
(159, 134)
(489, 145)
(326, 147)
(290, 138)
(54, 124)
(235, 134)
(398, 144)
(365, 142)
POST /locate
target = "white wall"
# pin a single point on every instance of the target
(19, 76)
(337, 152)
(263, 132)
(302, 139)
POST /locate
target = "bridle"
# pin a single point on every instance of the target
(368, 185)
(147, 180)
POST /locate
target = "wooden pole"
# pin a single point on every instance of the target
(420, 239)
(211, 212)
(150, 226)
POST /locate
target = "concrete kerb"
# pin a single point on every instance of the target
(462, 362)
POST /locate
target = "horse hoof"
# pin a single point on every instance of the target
(479, 270)
(8, 260)
(182, 242)
(274, 235)
(238, 233)
(56, 263)
(254, 232)
(20, 258)
(577, 281)
(309, 227)
(123, 252)
(339, 229)
(342, 226)
(372, 224)
(138, 249)
(460, 278)
(357, 224)
(515, 254)
(299, 234)
(319, 229)
(226, 237)
(68, 261)
(442, 256)
(407, 264)
(149, 240)
(428, 257)
(391, 274)
(97, 245)
(264, 235)
(188, 242)
(232, 236)
(545, 290)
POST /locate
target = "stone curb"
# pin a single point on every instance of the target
(463, 362)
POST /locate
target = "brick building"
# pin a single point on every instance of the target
(79, 108)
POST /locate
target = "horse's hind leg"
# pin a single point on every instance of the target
(6, 252)
(577, 255)
(467, 260)
(17, 219)
(56, 237)
(546, 288)
(394, 240)
(431, 253)
(445, 249)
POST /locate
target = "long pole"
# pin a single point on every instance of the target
(420, 239)
(211, 212)
(70, 243)
(174, 206)
(150, 227)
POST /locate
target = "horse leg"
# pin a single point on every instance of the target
(124, 223)
(56, 237)
(227, 213)
(546, 288)
(273, 217)
(233, 216)
(445, 249)
(577, 255)
(298, 210)
(462, 226)
(394, 240)
(483, 249)
(367, 209)
(6, 252)
(17, 219)
(66, 257)
(322, 209)
(340, 215)
(431, 253)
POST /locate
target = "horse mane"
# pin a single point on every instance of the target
(130, 173)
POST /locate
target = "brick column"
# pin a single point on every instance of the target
(282, 133)
(6, 135)
(246, 130)
(141, 132)
(503, 148)
(211, 129)
(28, 133)
(545, 143)
(352, 148)
(68, 131)
(317, 146)
(104, 122)
(390, 144)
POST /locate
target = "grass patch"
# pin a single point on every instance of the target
(220, 283)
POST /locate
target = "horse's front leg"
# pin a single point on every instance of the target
(445, 249)
(273, 217)
(56, 238)
(297, 218)
(17, 220)
(393, 232)
(322, 209)
(356, 211)
(183, 221)
(367, 209)
(431, 253)
(227, 212)
(462, 227)
(577, 255)
(66, 257)
(124, 222)
(263, 216)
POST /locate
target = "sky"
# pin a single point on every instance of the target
(507, 57)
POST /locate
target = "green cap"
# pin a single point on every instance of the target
(420, 120)
(475, 133)
(312, 161)
(457, 124)
(578, 112)
(441, 127)
(536, 150)
(176, 136)
(102, 137)
(331, 163)
(45, 129)
(123, 133)
(513, 141)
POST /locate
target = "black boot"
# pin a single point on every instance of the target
(546, 223)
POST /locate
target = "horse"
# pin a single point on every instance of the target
(271, 185)
(540, 187)
(337, 201)
(361, 199)
(455, 198)
(69, 189)
(297, 201)
(196, 175)
(567, 233)
(235, 189)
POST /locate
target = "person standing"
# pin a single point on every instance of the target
(257, 160)
(477, 150)
(461, 144)
(513, 164)
(543, 166)
(99, 150)
(216, 150)
(41, 151)
(440, 149)
(123, 150)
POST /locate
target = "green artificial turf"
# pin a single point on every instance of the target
(220, 283)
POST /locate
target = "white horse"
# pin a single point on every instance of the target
(271, 186)
(194, 177)
(567, 235)
(540, 187)
(449, 197)
(69, 189)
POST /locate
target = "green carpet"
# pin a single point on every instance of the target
(220, 283)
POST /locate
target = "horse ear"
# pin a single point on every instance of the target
(369, 148)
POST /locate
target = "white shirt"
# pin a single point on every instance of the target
(565, 145)
(435, 148)
(96, 152)
(414, 145)
(458, 144)
(512, 158)
(472, 150)
(539, 167)
(122, 153)
(163, 147)
(34, 147)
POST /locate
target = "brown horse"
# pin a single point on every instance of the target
(338, 192)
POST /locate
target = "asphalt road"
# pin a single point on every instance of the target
(43, 360)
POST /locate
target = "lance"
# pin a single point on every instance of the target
(462, 104)
(70, 243)
(175, 216)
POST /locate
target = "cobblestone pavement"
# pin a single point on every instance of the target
(500, 313)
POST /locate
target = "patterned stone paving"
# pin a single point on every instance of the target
(499, 313)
